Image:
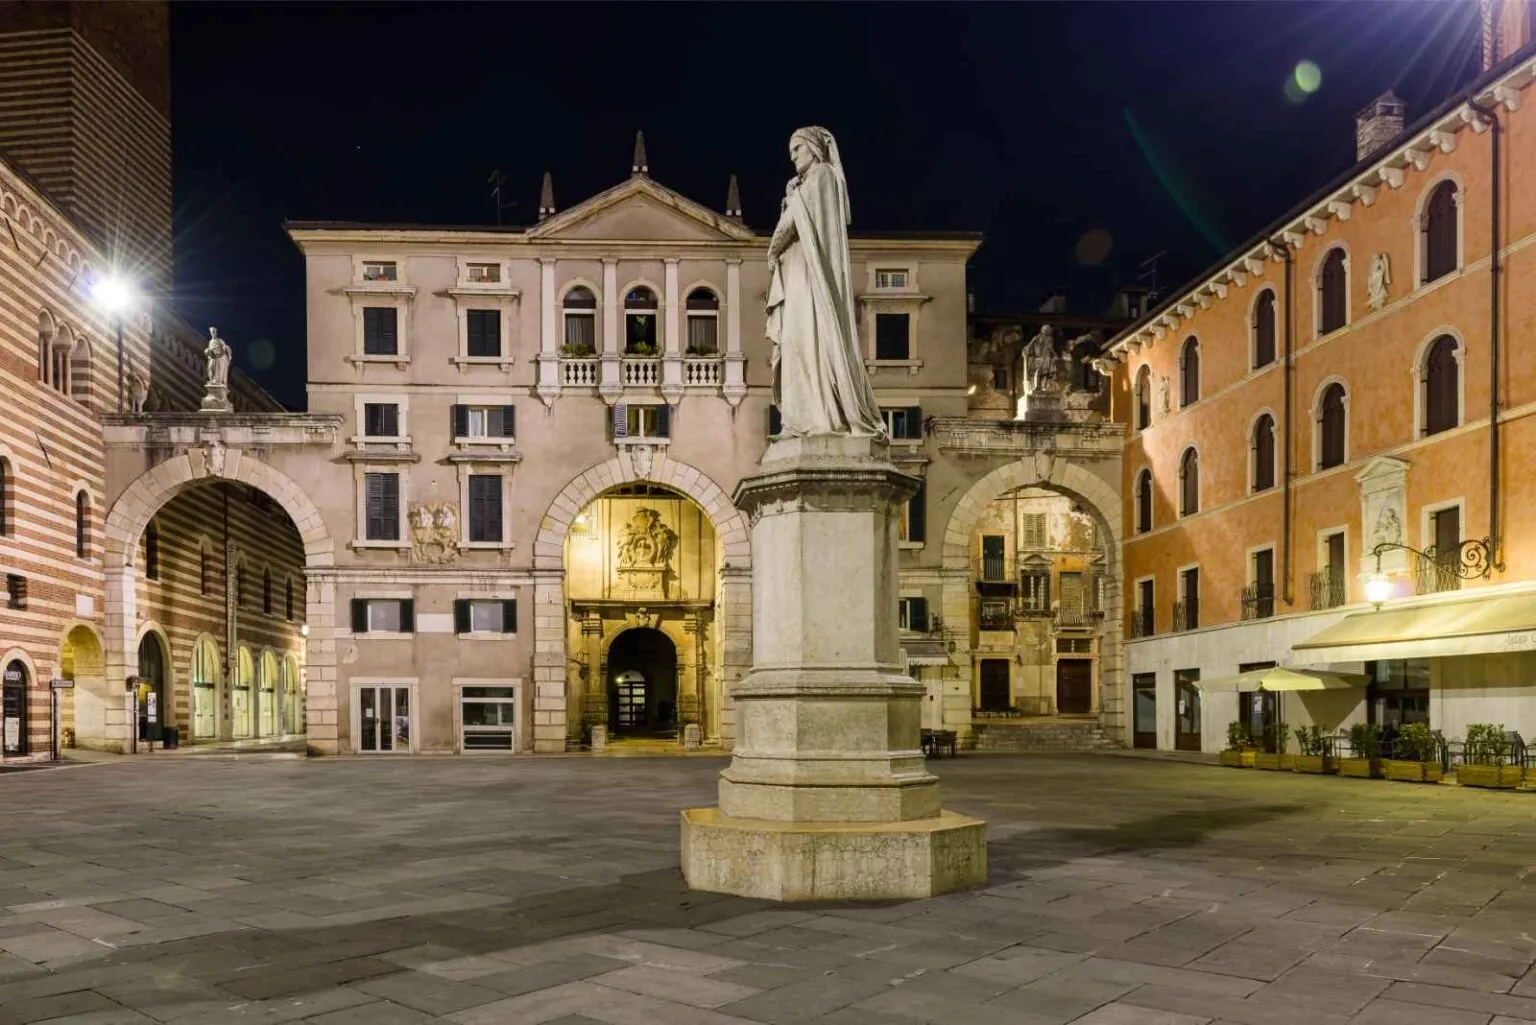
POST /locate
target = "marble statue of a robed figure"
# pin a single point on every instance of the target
(821, 385)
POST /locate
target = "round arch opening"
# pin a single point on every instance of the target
(642, 685)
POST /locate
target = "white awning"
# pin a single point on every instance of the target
(1279, 678)
(1471, 626)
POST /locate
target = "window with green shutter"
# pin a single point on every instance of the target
(484, 330)
(381, 331)
(485, 508)
(381, 513)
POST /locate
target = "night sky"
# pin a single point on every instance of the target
(1080, 138)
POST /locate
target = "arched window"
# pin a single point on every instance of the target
(640, 308)
(152, 551)
(1189, 482)
(1264, 329)
(579, 310)
(6, 502)
(1440, 231)
(1442, 386)
(1143, 397)
(266, 591)
(1189, 372)
(205, 663)
(59, 351)
(1263, 443)
(1143, 501)
(80, 371)
(1331, 427)
(45, 331)
(1332, 293)
(703, 322)
(205, 682)
(82, 525)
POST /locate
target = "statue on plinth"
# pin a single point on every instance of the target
(1042, 363)
(821, 384)
(218, 354)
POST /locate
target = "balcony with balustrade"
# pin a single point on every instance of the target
(1258, 601)
(1327, 589)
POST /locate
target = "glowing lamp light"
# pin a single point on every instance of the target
(581, 519)
(113, 294)
(303, 629)
(971, 390)
(1378, 589)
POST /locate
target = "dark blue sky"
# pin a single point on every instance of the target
(1160, 127)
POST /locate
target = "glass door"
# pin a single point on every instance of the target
(1186, 719)
(267, 696)
(631, 687)
(383, 719)
(1144, 710)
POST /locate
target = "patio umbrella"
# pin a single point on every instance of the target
(1279, 678)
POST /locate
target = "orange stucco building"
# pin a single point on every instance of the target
(1346, 401)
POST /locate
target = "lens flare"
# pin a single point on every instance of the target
(262, 354)
(1307, 76)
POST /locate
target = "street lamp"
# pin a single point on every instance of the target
(115, 294)
(1473, 558)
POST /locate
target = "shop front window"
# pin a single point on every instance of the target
(1398, 694)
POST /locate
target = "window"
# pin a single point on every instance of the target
(266, 591)
(383, 615)
(380, 272)
(152, 551)
(15, 591)
(482, 273)
(1333, 292)
(893, 336)
(288, 599)
(1328, 581)
(6, 503)
(1263, 453)
(994, 565)
(894, 278)
(1143, 397)
(488, 718)
(1264, 329)
(914, 522)
(381, 331)
(1331, 422)
(1032, 531)
(1035, 590)
(1189, 372)
(912, 615)
(491, 615)
(381, 420)
(1440, 229)
(493, 422)
(999, 378)
(1442, 386)
(1438, 572)
(580, 314)
(703, 309)
(640, 336)
(632, 421)
(1259, 595)
(82, 525)
(903, 422)
(484, 331)
(996, 614)
(485, 508)
(1189, 483)
(1187, 615)
(381, 514)
(1143, 501)
(1144, 616)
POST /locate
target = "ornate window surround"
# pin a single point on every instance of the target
(1421, 240)
(364, 442)
(479, 295)
(1418, 369)
(398, 293)
(360, 538)
(909, 301)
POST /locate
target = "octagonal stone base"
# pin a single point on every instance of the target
(802, 861)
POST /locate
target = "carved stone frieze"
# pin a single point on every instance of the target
(434, 532)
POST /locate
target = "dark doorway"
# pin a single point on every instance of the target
(1074, 686)
(1144, 710)
(14, 698)
(642, 684)
(1186, 717)
(153, 711)
(994, 685)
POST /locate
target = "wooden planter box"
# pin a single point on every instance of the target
(1238, 759)
(1499, 777)
(1361, 768)
(1412, 772)
(1318, 764)
(1274, 763)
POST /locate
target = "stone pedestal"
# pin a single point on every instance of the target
(827, 796)
(216, 399)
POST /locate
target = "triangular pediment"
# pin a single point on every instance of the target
(640, 210)
(1383, 468)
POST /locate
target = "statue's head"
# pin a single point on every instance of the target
(811, 145)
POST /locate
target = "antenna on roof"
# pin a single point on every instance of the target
(496, 181)
(1146, 271)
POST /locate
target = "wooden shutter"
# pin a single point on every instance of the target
(1264, 331)
(917, 514)
(382, 507)
(1333, 283)
(407, 616)
(661, 422)
(359, 615)
(1440, 232)
(461, 623)
(509, 616)
(621, 420)
(485, 507)
(458, 420)
(509, 421)
(1144, 501)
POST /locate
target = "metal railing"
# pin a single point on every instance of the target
(994, 569)
(1079, 618)
(1327, 589)
(1186, 614)
(1142, 624)
(1258, 601)
(1436, 573)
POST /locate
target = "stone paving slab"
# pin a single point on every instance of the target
(1122, 892)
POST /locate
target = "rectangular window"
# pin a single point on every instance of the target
(15, 591)
(383, 615)
(996, 614)
(152, 551)
(903, 422)
(381, 420)
(491, 422)
(381, 331)
(580, 333)
(1259, 598)
(488, 718)
(1189, 611)
(381, 515)
(380, 272)
(893, 336)
(484, 329)
(913, 615)
(914, 525)
(632, 421)
(1035, 590)
(703, 335)
(489, 615)
(1032, 531)
(993, 563)
(485, 508)
(482, 273)
(999, 378)
(1144, 621)
(1440, 570)
(891, 278)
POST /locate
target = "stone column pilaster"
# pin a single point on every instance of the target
(735, 386)
(610, 380)
(549, 334)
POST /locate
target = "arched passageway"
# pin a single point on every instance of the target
(642, 684)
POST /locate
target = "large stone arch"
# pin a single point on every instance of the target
(734, 594)
(145, 496)
(1102, 501)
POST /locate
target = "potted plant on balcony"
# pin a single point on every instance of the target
(1316, 751)
(576, 349)
(1280, 733)
(1416, 756)
(1365, 763)
(1487, 757)
(1239, 753)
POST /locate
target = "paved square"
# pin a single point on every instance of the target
(1123, 892)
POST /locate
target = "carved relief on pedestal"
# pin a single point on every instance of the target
(434, 532)
(1383, 504)
(645, 549)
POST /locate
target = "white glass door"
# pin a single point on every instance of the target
(383, 719)
(205, 710)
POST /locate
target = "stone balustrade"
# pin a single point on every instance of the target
(701, 371)
(640, 371)
(578, 371)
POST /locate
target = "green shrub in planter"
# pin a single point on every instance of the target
(1280, 735)
(1316, 751)
(1486, 759)
(1365, 762)
(1239, 753)
(1417, 756)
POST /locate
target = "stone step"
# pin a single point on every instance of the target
(1056, 736)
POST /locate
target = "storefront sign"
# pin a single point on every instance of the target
(13, 706)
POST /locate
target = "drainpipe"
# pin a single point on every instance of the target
(1490, 117)
(1286, 591)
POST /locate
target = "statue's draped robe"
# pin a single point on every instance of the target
(823, 387)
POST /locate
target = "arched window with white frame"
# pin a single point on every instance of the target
(1440, 232)
(1440, 381)
(641, 317)
(578, 310)
(1189, 372)
(1332, 426)
(703, 314)
(1263, 328)
(1333, 292)
(1261, 443)
(1189, 482)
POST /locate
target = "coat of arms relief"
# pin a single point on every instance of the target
(645, 549)
(434, 532)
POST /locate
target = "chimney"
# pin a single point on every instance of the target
(547, 196)
(1378, 124)
(638, 166)
(733, 200)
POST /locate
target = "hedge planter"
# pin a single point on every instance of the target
(1361, 768)
(1238, 759)
(1499, 777)
(1413, 772)
(1274, 763)
(1318, 764)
